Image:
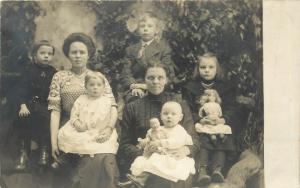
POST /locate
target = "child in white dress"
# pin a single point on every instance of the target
(90, 115)
(211, 109)
(161, 163)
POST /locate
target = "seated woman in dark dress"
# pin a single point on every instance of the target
(135, 124)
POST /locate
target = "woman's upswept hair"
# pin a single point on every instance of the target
(93, 74)
(205, 97)
(220, 73)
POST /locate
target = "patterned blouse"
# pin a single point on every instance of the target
(66, 87)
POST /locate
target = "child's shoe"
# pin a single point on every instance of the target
(44, 156)
(203, 179)
(61, 161)
(217, 176)
(22, 160)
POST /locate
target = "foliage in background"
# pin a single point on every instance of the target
(231, 29)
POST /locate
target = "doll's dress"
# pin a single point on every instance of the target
(212, 108)
(95, 113)
(164, 165)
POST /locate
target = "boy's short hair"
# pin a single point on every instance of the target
(93, 74)
(40, 43)
(220, 73)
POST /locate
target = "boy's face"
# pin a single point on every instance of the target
(171, 115)
(147, 29)
(207, 69)
(44, 55)
(95, 87)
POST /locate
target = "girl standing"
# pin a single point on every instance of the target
(208, 75)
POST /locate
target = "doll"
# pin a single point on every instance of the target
(210, 113)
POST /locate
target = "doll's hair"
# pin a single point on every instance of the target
(154, 121)
(220, 73)
(39, 44)
(204, 98)
(96, 75)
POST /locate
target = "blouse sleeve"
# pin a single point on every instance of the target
(108, 92)
(54, 98)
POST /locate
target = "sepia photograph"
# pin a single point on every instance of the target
(132, 94)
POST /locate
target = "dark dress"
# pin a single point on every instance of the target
(33, 91)
(135, 124)
(191, 92)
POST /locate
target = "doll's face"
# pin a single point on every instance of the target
(171, 115)
(95, 87)
(208, 68)
(44, 55)
(154, 123)
(147, 28)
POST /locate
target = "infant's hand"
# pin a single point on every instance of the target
(142, 143)
(104, 135)
(79, 126)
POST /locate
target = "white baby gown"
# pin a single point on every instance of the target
(166, 166)
(212, 108)
(95, 113)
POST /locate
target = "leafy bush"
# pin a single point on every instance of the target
(232, 30)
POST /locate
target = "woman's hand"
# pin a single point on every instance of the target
(138, 92)
(24, 112)
(55, 150)
(179, 153)
(104, 135)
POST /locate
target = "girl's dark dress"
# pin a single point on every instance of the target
(191, 93)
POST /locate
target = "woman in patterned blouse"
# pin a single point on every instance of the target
(66, 87)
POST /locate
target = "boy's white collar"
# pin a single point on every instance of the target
(147, 43)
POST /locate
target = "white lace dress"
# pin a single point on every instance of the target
(212, 108)
(95, 113)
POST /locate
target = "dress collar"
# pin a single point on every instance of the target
(152, 97)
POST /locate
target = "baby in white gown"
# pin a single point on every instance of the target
(90, 115)
(161, 163)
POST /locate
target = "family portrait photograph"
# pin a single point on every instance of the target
(133, 94)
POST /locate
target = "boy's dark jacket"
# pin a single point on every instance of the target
(35, 85)
(134, 70)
